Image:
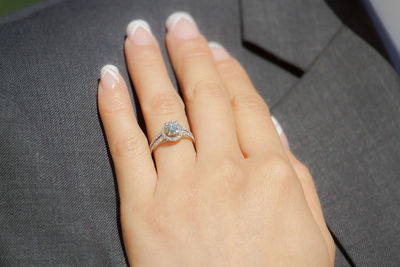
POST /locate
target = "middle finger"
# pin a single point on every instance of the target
(208, 102)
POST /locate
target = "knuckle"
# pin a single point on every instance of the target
(279, 171)
(231, 70)
(158, 221)
(305, 176)
(228, 170)
(131, 143)
(208, 89)
(302, 170)
(114, 104)
(170, 218)
(193, 49)
(249, 101)
(164, 104)
(279, 165)
(147, 58)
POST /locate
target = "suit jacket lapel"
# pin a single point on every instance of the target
(342, 120)
(294, 31)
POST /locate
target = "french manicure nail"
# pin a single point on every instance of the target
(139, 32)
(278, 127)
(281, 133)
(109, 75)
(182, 25)
(218, 51)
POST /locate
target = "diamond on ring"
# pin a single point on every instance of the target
(172, 128)
(171, 131)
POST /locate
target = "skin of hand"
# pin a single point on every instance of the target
(237, 196)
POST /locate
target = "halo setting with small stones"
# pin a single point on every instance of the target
(171, 131)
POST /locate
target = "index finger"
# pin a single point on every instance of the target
(128, 145)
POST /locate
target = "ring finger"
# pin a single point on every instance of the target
(159, 100)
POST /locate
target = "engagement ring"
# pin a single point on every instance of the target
(171, 131)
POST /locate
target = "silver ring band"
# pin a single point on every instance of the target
(170, 132)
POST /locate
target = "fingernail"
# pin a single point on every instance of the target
(139, 32)
(109, 76)
(280, 131)
(182, 25)
(218, 51)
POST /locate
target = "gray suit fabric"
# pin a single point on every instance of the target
(346, 132)
(58, 194)
(279, 26)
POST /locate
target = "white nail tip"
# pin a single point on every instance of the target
(215, 44)
(278, 127)
(111, 69)
(134, 25)
(173, 19)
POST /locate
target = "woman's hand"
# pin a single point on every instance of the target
(238, 197)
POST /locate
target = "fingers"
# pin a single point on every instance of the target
(309, 189)
(310, 193)
(128, 145)
(207, 100)
(159, 100)
(260, 133)
(255, 129)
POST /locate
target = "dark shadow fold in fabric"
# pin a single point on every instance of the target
(295, 31)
